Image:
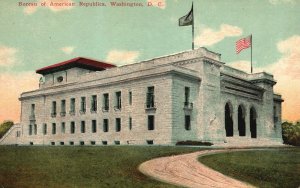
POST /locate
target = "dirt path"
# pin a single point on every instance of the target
(185, 170)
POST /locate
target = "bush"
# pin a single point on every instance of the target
(193, 143)
(4, 127)
(291, 133)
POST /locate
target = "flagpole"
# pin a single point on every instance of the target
(193, 26)
(251, 55)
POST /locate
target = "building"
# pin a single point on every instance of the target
(191, 95)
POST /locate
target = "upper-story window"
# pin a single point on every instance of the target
(275, 115)
(186, 95)
(83, 105)
(187, 122)
(94, 126)
(72, 106)
(45, 129)
(105, 125)
(118, 124)
(130, 97)
(72, 127)
(59, 79)
(82, 127)
(187, 104)
(118, 105)
(53, 128)
(105, 107)
(94, 103)
(63, 127)
(150, 103)
(63, 108)
(32, 109)
(53, 110)
(130, 123)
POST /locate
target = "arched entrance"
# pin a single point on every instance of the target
(241, 121)
(228, 120)
(253, 117)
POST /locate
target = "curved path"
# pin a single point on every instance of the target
(185, 170)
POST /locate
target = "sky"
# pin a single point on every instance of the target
(34, 37)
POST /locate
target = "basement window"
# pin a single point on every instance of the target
(93, 143)
(104, 142)
(150, 142)
(71, 143)
(117, 142)
(81, 143)
(52, 143)
(62, 143)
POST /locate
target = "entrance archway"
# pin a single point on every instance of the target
(241, 121)
(228, 120)
(253, 117)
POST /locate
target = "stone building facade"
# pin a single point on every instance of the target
(190, 95)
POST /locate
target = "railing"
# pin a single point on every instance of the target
(117, 108)
(32, 117)
(93, 110)
(53, 114)
(82, 111)
(105, 108)
(151, 106)
(72, 112)
(188, 106)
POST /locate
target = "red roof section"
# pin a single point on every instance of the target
(75, 62)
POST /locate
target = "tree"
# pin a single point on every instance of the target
(5, 126)
(291, 133)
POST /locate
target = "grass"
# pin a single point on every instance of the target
(262, 168)
(79, 166)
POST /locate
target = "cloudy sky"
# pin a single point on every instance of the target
(34, 37)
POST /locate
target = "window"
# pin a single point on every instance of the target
(63, 108)
(31, 143)
(30, 129)
(62, 143)
(53, 143)
(94, 126)
(72, 128)
(105, 102)
(82, 105)
(53, 110)
(186, 95)
(59, 79)
(63, 127)
(35, 129)
(130, 98)
(104, 142)
(18, 133)
(81, 143)
(94, 103)
(118, 124)
(187, 122)
(130, 123)
(150, 98)
(53, 128)
(150, 142)
(150, 122)
(82, 127)
(32, 109)
(105, 125)
(93, 142)
(71, 143)
(118, 101)
(117, 142)
(275, 116)
(45, 129)
(72, 106)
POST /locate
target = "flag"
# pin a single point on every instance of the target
(187, 19)
(243, 44)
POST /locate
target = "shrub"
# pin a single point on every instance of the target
(4, 127)
(193, 143)
(291, 133)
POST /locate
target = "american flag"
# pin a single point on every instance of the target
(243, 44)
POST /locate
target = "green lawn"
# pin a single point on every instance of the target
(262, 168)
(79, 166)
